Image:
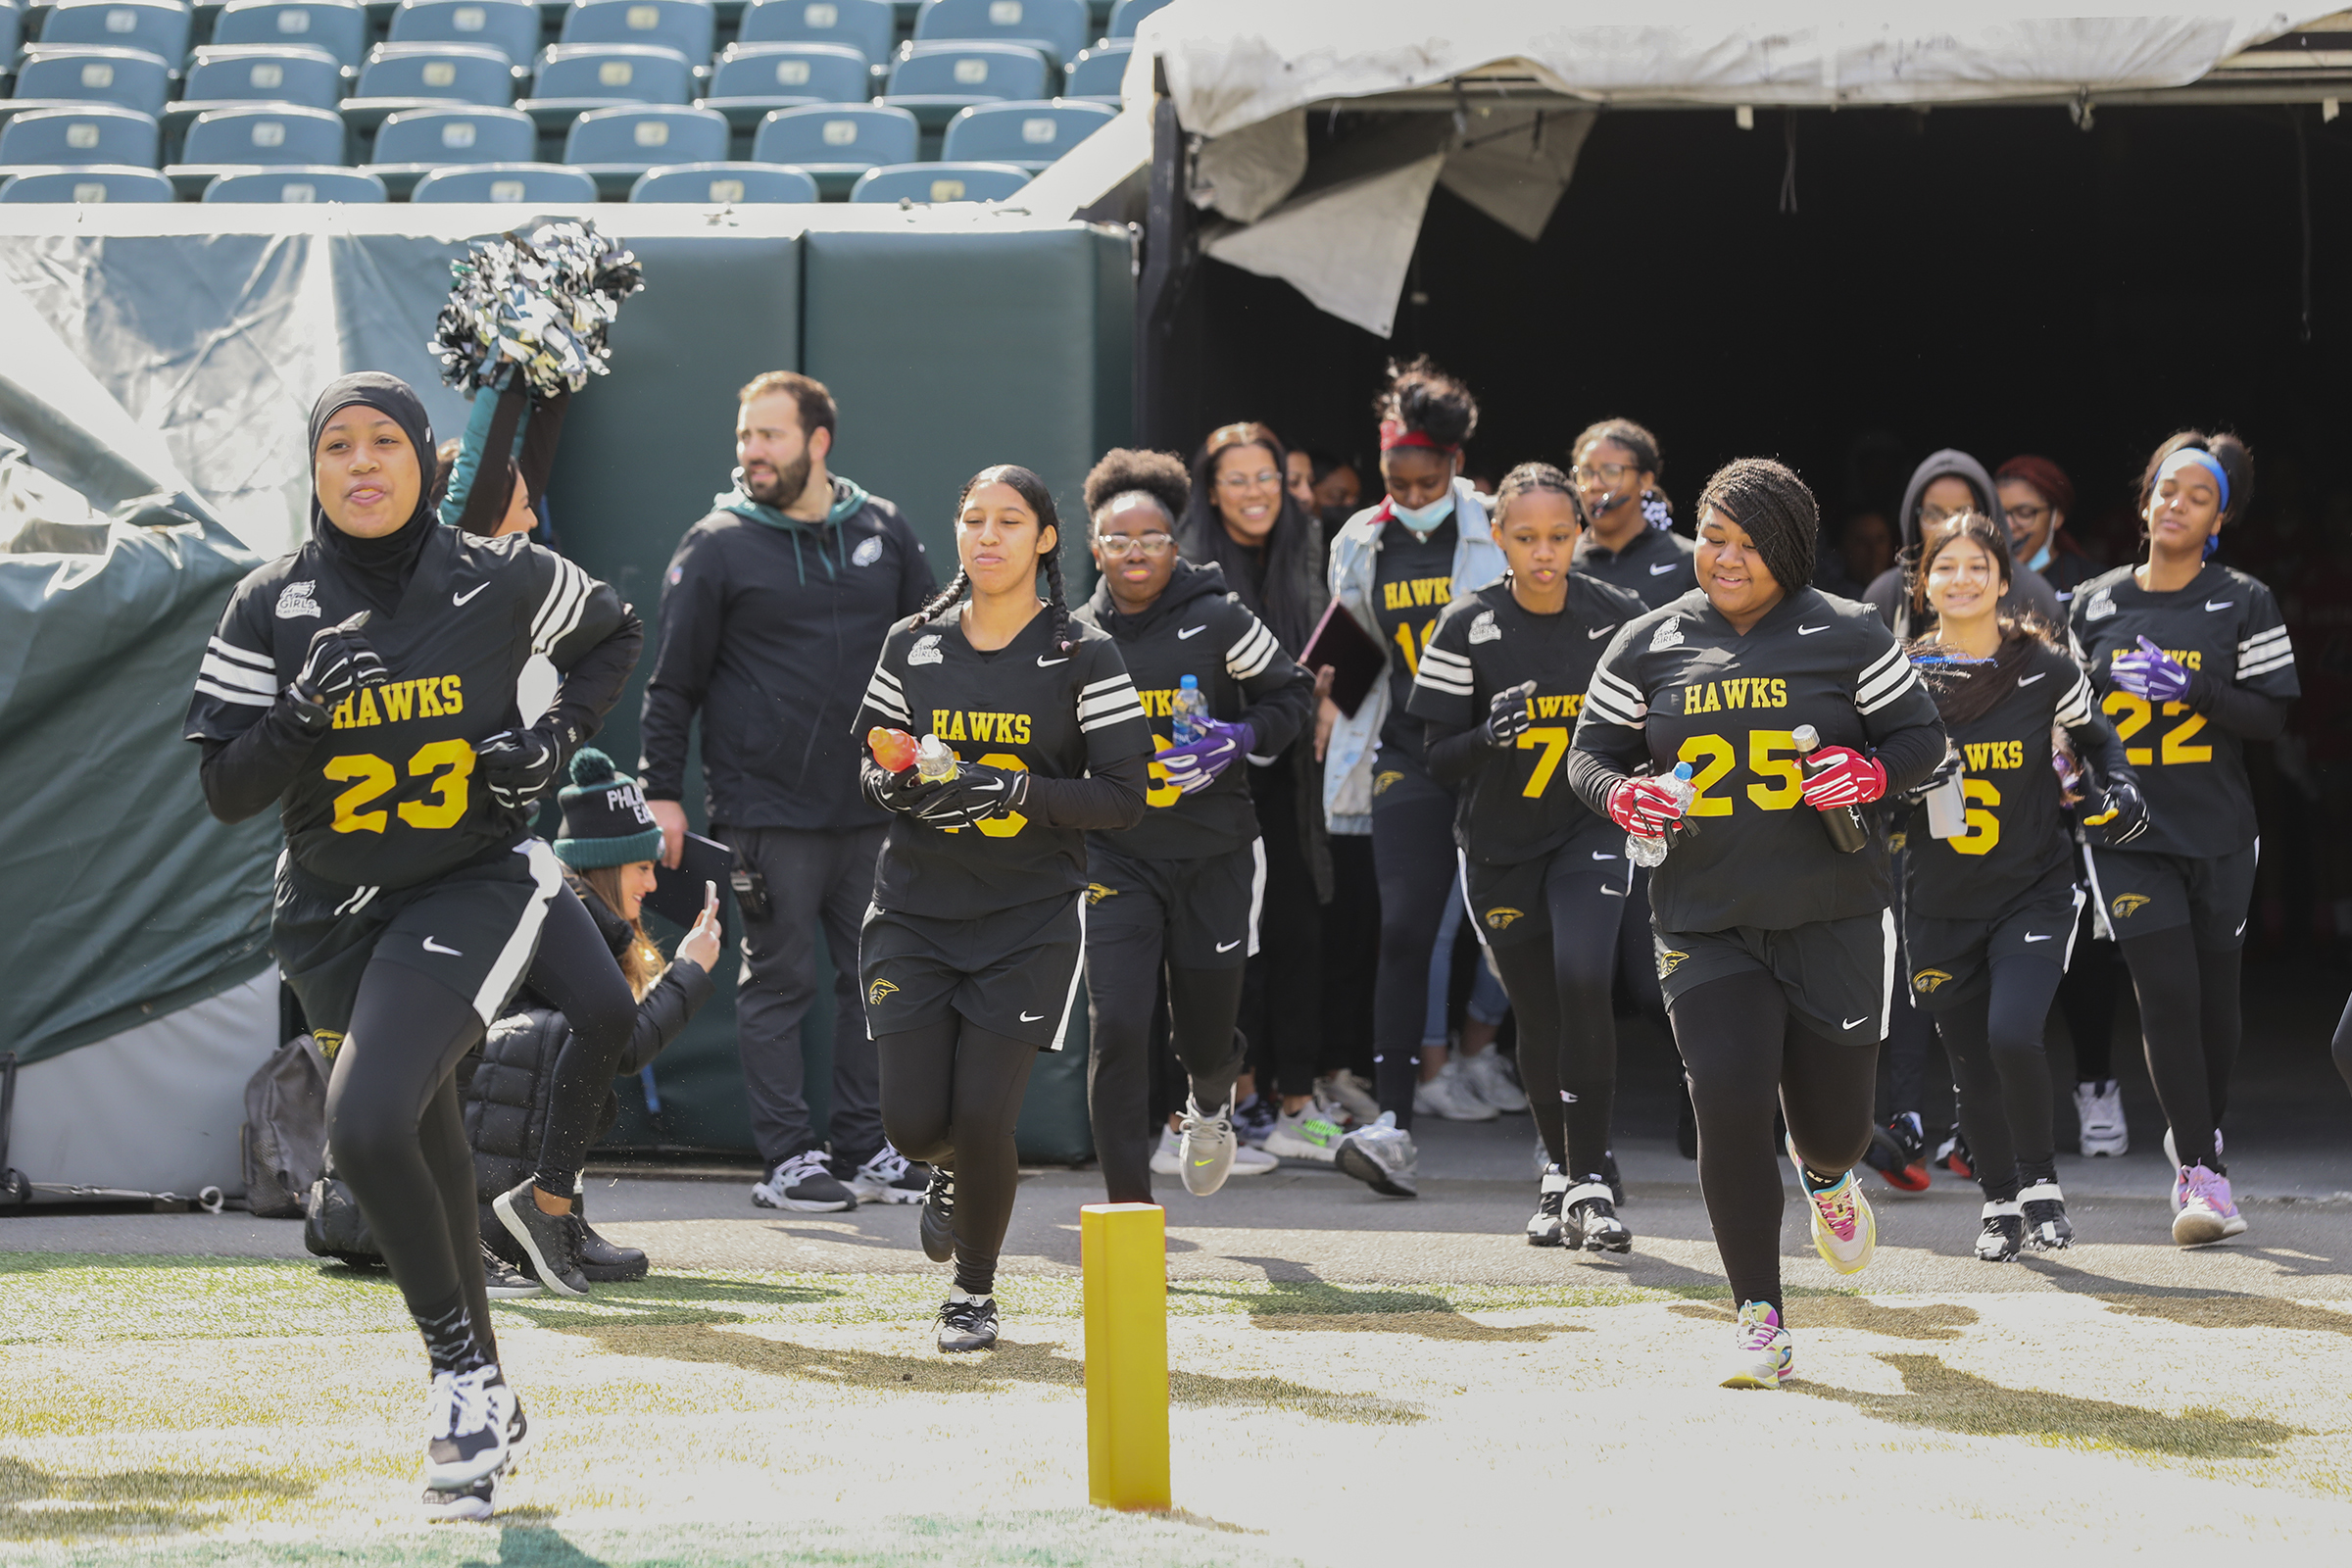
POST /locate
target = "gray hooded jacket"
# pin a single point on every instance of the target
(2028, 592)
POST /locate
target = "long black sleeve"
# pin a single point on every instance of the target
(1910, 755)
(1603, 756)
(2250, 715)
(2097, 745)
(593, 684)
(1453, 754)
(1278, 693)
(1108, 799)
(244, 777)
(694, 612)
(663, 1014)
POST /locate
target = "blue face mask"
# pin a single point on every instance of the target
(1423, 520)
(2041, 559)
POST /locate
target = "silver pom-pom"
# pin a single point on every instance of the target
(537, 307)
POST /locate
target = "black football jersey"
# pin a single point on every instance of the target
(1519, 806)
(1678, 685)
(1412, 583)
(1656, 566)
(2192, 772)
(387, 797)
(1027, 707)
(2015, 831)
(1198, 628)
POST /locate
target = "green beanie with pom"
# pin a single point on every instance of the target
(604, 818)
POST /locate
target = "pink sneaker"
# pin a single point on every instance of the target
(2207, 1213)
(1761, 1354)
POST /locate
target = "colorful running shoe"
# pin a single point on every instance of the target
(1844, 1231)
(1762, 1356)
(2171, 1157)
(2207, 1213)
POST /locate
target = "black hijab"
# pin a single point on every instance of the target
(379, 569)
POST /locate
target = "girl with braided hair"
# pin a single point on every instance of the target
(971, 952)
(1775, 951)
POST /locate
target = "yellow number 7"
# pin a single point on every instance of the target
(1553, 738)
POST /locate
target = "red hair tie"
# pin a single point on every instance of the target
(1394, 434)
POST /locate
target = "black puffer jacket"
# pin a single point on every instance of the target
(504, 1087)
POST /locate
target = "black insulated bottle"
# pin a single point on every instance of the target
(1843, 823)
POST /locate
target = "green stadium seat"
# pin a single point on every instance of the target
(836, 144)
(615, 146)
(263, 135)
(865, 26)
(723, 184)
(936, 81)
(686, 25)
(749, 80)
(414, 142)
(573, 78)
(511, 27)
(99, 133)
(1030, 135)
(1056, 29)
(297, 186)
(542, 184)
(412, 75)
(62, 75)
(1128, 13)
(940, 183)
(159, 27)
(1096, 74)
(98, 182)
(338, 26)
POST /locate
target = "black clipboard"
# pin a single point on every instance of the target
(1355, 660)
(677, 895)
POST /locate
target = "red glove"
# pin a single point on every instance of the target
(1644, 805)
(1850, 779)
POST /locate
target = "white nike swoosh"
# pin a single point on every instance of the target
(992, 784)
(1604, 632)
(431, 945)
(2241, 929)
(2031, 937)
(1032, 1018)
(1851, 1022)
(1660, 572)
(2027, 681)
(1597, 855)
(1189, 632)
(462, 598)
(1614, 893)
(1228, 947)
(1043, 663)
(1807, 631)
(2223, 605)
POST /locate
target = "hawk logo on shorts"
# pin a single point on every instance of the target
(1928, 980)
(869, 551)
(1669, 635)
(1484, 629)
(328, 1042)
(877, 991)
(1382, 781)
(298, 599)
(925, 651)
(1500, 920)
(1897, 842)
(2127, 903)
(1096, 892)
(1670, 961)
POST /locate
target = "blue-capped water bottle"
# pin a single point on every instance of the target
(1189, 711)
(1652, 852)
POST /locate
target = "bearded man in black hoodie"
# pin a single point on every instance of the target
(773, 610)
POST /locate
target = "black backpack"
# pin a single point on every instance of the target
(283, 1142)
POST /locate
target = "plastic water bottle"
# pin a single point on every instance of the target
(1652, 852)
(934, 763)
(1190, 712)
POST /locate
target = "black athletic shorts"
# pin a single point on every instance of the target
(1951, 960)
(2142, 893)
(475, 930)
(1014, 973)
(1839, 975)
(1209, 907)
(1512, 904)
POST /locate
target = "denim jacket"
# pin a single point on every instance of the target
(1354, 560)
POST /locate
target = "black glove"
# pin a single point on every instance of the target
(1508, 715)
(2118, 816)
(902, 791)
(339, 662)
(516, 767)
(1941, 775)
(974, 795)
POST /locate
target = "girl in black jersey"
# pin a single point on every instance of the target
(1177, 896)
(971, 955)
(1501, 684)
(366, 684)
(1775, 951)
(1989, 901)
(2191, 661)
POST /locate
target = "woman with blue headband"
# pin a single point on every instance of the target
(2190, 661)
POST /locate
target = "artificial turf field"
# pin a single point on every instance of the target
(194, 1410)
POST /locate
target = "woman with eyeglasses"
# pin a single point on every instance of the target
(1632, 543)
(1175, 898)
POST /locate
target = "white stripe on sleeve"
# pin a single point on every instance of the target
(2075, 709)
(231, 695)
(885, 699)
(245, 656)
(1907, 681)
(1249, 656)
(242, 676)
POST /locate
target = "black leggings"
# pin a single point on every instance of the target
(2001, 1077)
(1123, 972)
(2342, 1046)
(1412, 850)
(2189, 1015)
(2087, 997)
(1741, 1046)
(577, 973)
(1282, 990)
(1559, 985)
(398, 1142)
(952, 1097)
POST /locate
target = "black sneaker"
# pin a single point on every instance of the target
(890, 1177)
(504, 1281)
(1543, 1225)
(2047, 1229)
(1953, 1156)
(2003, 1234)
(968, 1325)
(472, 1417)
(1589, 1220)
(545, 1239)
(474, 1501)
(804, 1183)
(601, 1261)
(938, 1216)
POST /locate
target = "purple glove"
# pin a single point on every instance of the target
(2151, 673)
(1195, 763)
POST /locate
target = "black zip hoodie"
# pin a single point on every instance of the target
(1198, 627)
(2027, 591)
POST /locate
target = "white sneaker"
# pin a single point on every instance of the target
(1168, 1158)
(1490, 1078)
(1383, 1157)
(2099, 1109)
(1205, 1148)
(1309, 1133)
(1762, 1356)
(1352, 1094)
(1448, 1095)
(1247, 1161)
(1543, 1225)
(2171, 1157)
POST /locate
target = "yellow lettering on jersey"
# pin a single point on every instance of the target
(956, 724)
(367, 713)
(1741, 691)
(343, 713)
(428, 699)
(435, 697)
(452, 696)
(399, 700)
(1157, 705)
(2191, 657)
(1561, 706)
(1416, 593)
(1984, 755)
